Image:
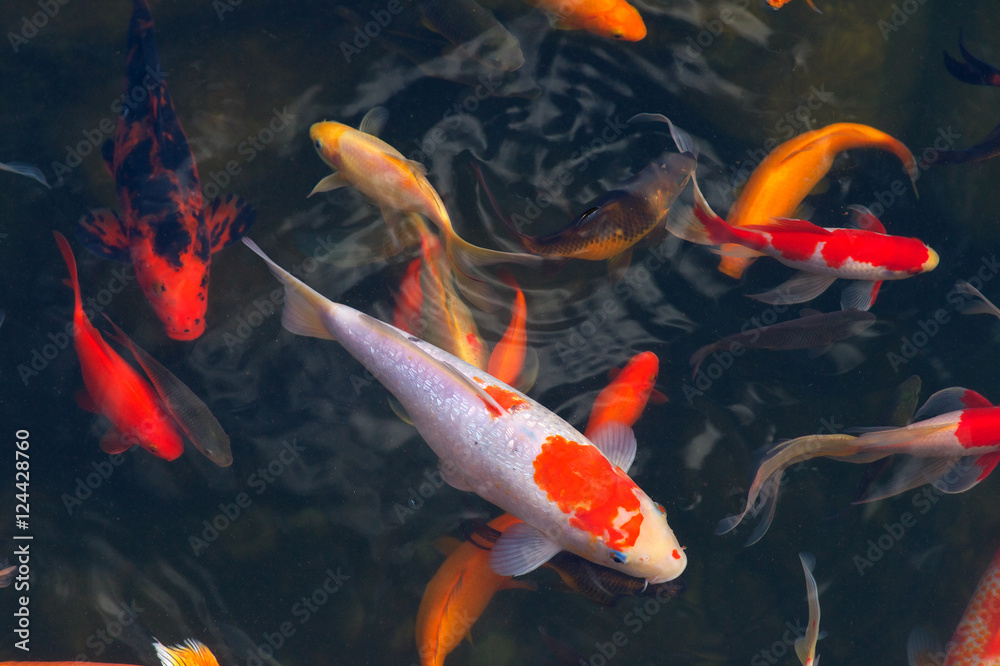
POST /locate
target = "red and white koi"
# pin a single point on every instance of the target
(572, 493)
(866, 254)
(953, 443)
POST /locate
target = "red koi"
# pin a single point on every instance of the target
(625, 398)
(164, 228)
(115, 389)
(507, 357)
(953, 443)
(865, 254)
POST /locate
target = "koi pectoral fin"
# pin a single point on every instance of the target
(332, 182)
(802, 287)
(521, 549)
(113, 443)
(228, 219)
(102, 232)
(859, 295)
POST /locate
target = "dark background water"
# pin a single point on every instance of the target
(328, 509)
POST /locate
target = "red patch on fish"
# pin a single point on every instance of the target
(582, 482)
(979, 427)
(506, 399)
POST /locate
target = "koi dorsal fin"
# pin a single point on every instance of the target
(102, 233)
(865, 220)
(228, 219)
(616, 440)
(952, 399)
(374, 121)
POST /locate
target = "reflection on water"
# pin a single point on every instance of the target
(315, 545)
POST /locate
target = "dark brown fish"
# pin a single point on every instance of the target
(813, 330)
(978, 73)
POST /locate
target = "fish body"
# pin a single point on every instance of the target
(163, 228)
(805, 646)
(474, 31)
(115, 389)
(189, 653)
(822, 255)
(811, 331)
(782, 180)
(505, 447)
(975, 72)
(953, 443)
(457, 595)
(507, 360)
(619, 219)
(625, 398)
(976, 641)
(615, 19)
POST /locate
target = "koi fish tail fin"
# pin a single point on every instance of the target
(681, 138)
(763, 496)
(924, 649)
(67, 254)
(948, 475)
(189, 653)
(228, 219)
(304, 306)
(973, 71)
(699, 224)
(468, 259)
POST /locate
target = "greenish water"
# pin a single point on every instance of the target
(322, 564)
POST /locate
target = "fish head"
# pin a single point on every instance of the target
(931, 262)
(157, 434)
(325, 137)
(178, 293)
(656, 554)
(621, 22)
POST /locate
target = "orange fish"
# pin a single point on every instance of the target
(115, 389)
(507, 358)
(778, 4)
(409, 300)
(624, 399)
(458, 594)
(189, 653)
(789, 172)
(607, 18)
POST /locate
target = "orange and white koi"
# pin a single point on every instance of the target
(115, 389)
(805, 647)
(163, 228)
(953, 443)
(791, 171)
(189, 653)
(866, 254)
(976, 641)
(615, 19)
(572, 493)
(458, 594)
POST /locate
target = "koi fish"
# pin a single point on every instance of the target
(615, 19)
(189, 653)
(572, 493)
(983, 305)
(625, 398)
(953, 443)
(409, 300)
(865, 254)
(474, 31)
(778, 4)
(458, 594)
(813, 330)
(975, 72)
(507, 360)
(976, 641)
(791, 171)
(618, 219)
(396, 184)
(115, 389)
(805, 647)
(165, 229)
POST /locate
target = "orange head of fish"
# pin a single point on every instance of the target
(622, 22)
(325, 137)
(176, 285)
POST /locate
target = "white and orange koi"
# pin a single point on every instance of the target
(953, 444)
(866, 254)
(572, 493)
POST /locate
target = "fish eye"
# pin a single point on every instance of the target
(617, 557)
(318, 143)
(659, 507)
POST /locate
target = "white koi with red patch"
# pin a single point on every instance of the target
(571, 493)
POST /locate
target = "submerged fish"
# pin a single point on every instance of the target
(866, 254)
(572, 494)
(953, 443)
(474, 31)
(458, 594)
(976, 641)
(778, 4)
(115, 389)
(813, 330)
(607, 18)
(189, 653)
(625, 398)
(805, 646)
(163, 228)
(792, 170)
(26, 170)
